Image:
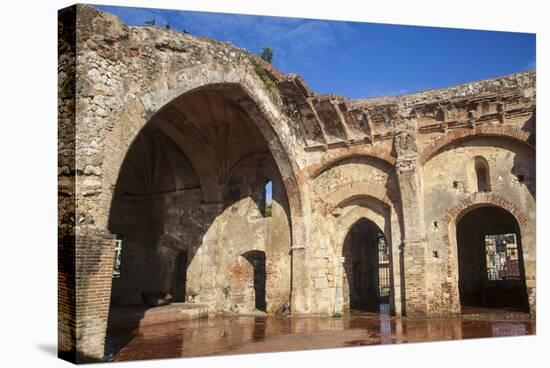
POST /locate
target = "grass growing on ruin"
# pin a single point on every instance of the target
(264, 75)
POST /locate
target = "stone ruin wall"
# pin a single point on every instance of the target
(405, 161)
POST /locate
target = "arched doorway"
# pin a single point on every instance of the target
(490, 260)
(367, 267)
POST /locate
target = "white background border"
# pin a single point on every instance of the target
(28, 153)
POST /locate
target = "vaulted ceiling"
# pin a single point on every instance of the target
(195, 140)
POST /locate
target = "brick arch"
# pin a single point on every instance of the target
(456, 135)
(479, 199)
(374, 153)
(452, 217)
(356, 190)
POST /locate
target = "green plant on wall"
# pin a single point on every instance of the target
(264, 75)
(268, 210)
(267, 54)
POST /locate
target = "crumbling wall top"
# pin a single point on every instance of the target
(516, 81)
(320, 121)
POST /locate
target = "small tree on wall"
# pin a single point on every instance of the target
(267, 54)
(268, 210)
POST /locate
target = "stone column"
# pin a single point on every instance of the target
(300, 281)
(202, 275)
(532, 296)
(414, 245)
(393, 238)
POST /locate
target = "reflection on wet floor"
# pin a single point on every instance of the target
(252, 334)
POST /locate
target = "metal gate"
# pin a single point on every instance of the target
(384, 280)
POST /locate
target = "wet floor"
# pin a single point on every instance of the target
(254, 334)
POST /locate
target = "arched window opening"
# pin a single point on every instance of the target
(266, 207)
(482, 175)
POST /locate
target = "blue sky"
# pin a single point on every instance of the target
(358, 59)
(269, 192)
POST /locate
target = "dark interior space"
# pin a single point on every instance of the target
(257, 260)
(366, 266)
(181, 276)
(491, 272)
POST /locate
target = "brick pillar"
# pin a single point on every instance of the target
(85, 265)
(66, 251)
(94, 267)
(66, 299)
(414, 245)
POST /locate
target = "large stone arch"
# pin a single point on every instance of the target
(271, 122)
(457, 135)
(451, 218)
(119, 134)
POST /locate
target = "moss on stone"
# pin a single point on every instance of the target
(265, 76)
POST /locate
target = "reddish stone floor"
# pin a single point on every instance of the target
(254, 334)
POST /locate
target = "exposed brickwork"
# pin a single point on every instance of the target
(66, 252)
(415, 279)
(453, 213)
(94, 272)
(85, 267)
(328, 162)
(414, 239)
(241, 276)
(456, 135)
(458, 92)
(406, 163)
(66, 282)
(354, 190)
(452, 216)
